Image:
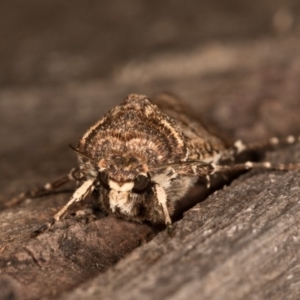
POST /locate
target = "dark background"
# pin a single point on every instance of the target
(63, 64)
(51, 42)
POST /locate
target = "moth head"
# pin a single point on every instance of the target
(124, 173)
(118, 172)
(139, 184)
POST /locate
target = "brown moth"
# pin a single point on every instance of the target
(144, 155)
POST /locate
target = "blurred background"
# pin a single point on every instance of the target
(64, 64)
(52, 41)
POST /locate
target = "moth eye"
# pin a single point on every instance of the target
(103, 177)
(141, 184)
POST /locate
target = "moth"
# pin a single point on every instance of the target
(144, 155)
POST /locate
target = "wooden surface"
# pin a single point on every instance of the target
(242, 242)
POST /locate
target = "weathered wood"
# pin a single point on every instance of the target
(241, 243)
(59, 260)
(73, 251)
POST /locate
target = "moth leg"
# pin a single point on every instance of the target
(255, 165)
(270, 143)
(207, 177)
(171, 230)
(162, 200)
(204, 170)
(200, 169)
(48, 188)
(81, 193)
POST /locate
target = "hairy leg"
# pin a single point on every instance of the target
(47, 189)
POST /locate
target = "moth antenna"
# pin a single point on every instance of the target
(80, 153)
